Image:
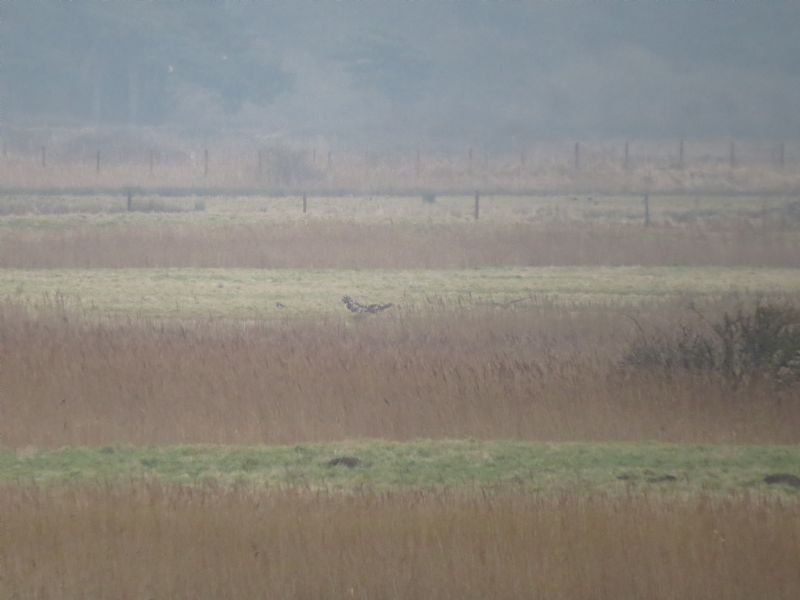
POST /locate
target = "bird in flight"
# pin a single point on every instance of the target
(357, 307)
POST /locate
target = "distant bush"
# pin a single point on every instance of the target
(762, 343)
(429, 198)
(156, 205)
(789, 214)
(284, 166)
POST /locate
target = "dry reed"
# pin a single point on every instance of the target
(358, 245)
(147, 540)
(545, 373)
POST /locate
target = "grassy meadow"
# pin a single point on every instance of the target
(188, 410)
(257, 293)
(183, 207)
(551, 469)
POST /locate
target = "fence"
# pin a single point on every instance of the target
(622, 166)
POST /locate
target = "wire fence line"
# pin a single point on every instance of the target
(686, 166)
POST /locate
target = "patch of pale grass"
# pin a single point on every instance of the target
(255, 294)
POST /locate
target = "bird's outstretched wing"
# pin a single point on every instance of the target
(374, 308)
(357, 307)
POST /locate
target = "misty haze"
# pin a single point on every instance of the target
(400, 299)
(394, 73)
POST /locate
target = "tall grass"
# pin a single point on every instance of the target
(547, 373)
(322, 244)
(147, 540)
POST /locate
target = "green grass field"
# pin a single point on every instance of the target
(537, 467)
(253, 293)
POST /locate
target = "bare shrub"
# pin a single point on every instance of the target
(155, 205)
(761, 343)
(285, 167)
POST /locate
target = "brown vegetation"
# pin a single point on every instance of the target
(148, 540)
(506, 371)
(543, 373)
(331, 244)
(547, 166)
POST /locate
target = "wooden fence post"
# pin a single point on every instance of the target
(577, 155)
(469, 168)
(44, 157)
(477, 205)
(152, 160)
(647, 209)
(305, 203)
(418, 165)
(130, 200)
(97, 164)
(680, 154)
(205, 163)
(627, 155)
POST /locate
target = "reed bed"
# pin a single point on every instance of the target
(145, 539)
(536, 373)
(327, 244)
